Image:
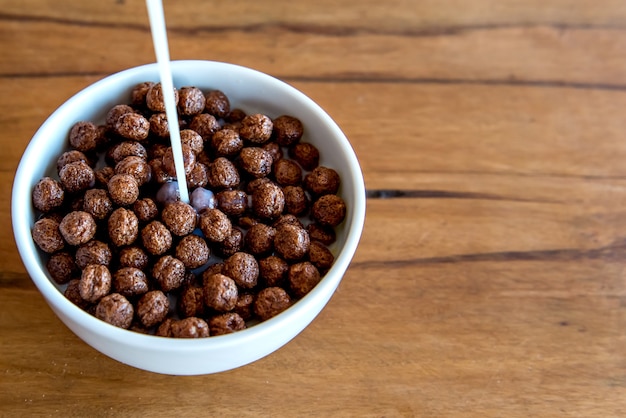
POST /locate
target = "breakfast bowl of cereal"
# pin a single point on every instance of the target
(196, 284)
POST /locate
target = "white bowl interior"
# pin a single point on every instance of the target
(253, 92)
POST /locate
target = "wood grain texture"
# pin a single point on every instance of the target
(490, 278)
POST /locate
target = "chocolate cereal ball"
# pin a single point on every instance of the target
(287, 173)
(48, 194)
(256, 128)
(302, 278)
(152, 308)
(156, 238)
(179, 217)
(115, 113)
(116, 310)
(220, 292)
(123, 227)
(205, 125)
(130, 281)
(124, 149)
(268, 201)
(132, 126)
(146, 209)
(191, 327)
(273, 271)
(189, 160)
(305, 154)
(199, 176)
(70, 157)
(136, 167)
(243, 269)
(226, 323)
(274, 149)
(321, 181)
(159, 125)
(169, 272)
(217, 104)
(95, 282)
(193, 140)
(324, 234)
(133, 257)
(244, 306)
(72, 293)
(193, 251)
(287, 130)
(329, 210)
(103, 175)
(93, 252)
(256, 161)
(320, 256)
(77, 176)
(296, 200)
(215, 225)
(259, 239)
(291, 242)
(77, 227)
(62, 267)
(232, 244)
(191, 101)
(97, 203)
(154, 98)
(191, 302)
(84, 136)
(232, 202)
(222, 174)
(270, 302)
(226, 143)
(123, 189)
(47, 236)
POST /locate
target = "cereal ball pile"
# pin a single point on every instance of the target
(253, 240)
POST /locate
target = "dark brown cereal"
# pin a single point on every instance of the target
(62, 267)
(97, 203)
(232, 202)
(253, 185)
(95, 282)
(189, 159)
(199, 176)
(213, 269)
(77, 177)
(268, 201)
(139, 92)
(152, 308)
(205, 125)
(215, 225)
(244, 306)
(115, 113)
(291, 242)
(72, 292)
(243, 269)
(103, 175)
(193, 251)
(270, 302)
(246, 222)
(136, 167)
(132, 126)
(320, 256)
(133, 257)
(256, 161)
(232, 244)
(130, 281)
(287, 173)
(84, 136)
(47, 236)
(296, 200)
(154, 98)
(123, 227)
(193, 140)
(226, 323)
(226, 143)
(123, 189)
(116, 310)
(287, 130)
(146, 209)
(321, 181)
(220, 292)
(156, 238)
(259, 239)
(169, 272)
(324, 234)
(303, 277)
(274, 149)
(70, 157)
(191, 327)
(179, 217)
(125, 149)
(165, 328)
(256, 128)
(222, 174)
(76, 202)
(235, 115)
(273, 271)
(217, 104)
(191, 101)
(305, 154)
(77, 227)
(191, 302)
(93, 252)
(48, 194)
(159, 125)
(329, 210)
(159, 175)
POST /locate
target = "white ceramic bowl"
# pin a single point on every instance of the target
(253, 92)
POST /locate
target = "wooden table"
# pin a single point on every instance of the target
(491, 275)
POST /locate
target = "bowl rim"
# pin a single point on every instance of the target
(35, 268)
